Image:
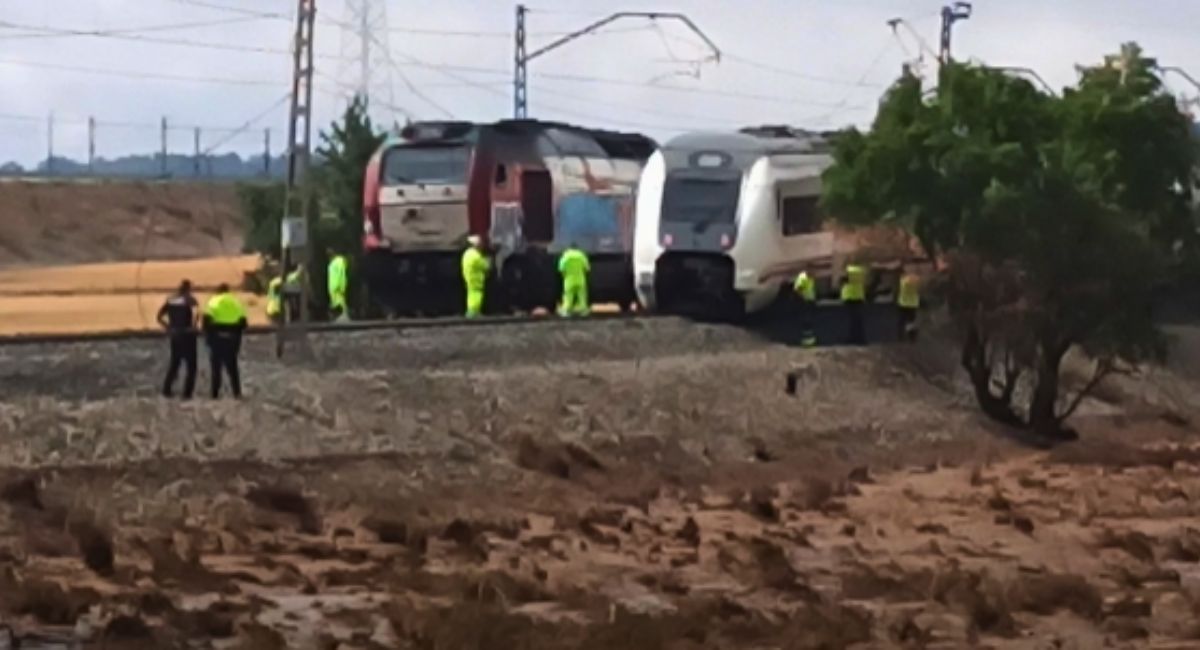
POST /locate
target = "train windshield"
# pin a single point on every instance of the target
(432, 165)
(701, 200)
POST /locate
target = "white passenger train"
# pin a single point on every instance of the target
(725, 220)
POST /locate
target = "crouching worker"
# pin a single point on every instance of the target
(224, 323)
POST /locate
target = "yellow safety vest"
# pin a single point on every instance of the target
(474, 268)
(337, 275)
(574, 266)
(910, 295)
(805, 287)
(274, 303)
(855, 288)
(225, 309)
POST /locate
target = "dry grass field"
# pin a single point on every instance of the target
(108, 297)
(65, 223)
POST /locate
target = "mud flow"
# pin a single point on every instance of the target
(616, 485)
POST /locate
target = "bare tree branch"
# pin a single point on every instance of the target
(1104, 367)
(1012, 373)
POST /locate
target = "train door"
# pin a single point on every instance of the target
(537, 204)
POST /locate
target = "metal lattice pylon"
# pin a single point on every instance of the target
(366, 67)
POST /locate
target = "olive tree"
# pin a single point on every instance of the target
(1058, 217)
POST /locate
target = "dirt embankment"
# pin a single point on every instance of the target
(592, 485)
(62, 223)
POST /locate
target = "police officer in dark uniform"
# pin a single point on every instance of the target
(178, 317)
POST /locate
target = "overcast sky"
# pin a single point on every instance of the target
(813, 63)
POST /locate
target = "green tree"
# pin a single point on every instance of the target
(1059, 217)
(262, 208)
(336, 181)
(346, 148)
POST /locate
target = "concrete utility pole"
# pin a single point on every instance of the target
(521, 59)
(91, 146)
(196, 157)
(520, 69)
(50, 144)
(267, 152)
(163, 137)
(297, 198)
(950, 15)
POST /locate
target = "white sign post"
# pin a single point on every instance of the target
(294, 232)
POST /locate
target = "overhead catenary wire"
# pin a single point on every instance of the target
(206, 153)
(574, 78)
(178, 42)
(68, 119)
(578, 78)
(648, 111)
(237, 10)
(342, 88)
(557, 109)
(39, 31)
(137, 74)
(413, 31)
(387, 54)
(843, 104)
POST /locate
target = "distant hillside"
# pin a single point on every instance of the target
(226, 167)
(51, 223)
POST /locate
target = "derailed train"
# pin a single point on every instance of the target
(722, 220)
(528, 188)
(725, 221)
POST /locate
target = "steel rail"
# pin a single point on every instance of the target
(322, 328)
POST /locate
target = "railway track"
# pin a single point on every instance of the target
(321, 328)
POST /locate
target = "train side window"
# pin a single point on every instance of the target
(501, 175)
(801, 215)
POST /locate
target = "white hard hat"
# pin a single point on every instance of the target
(474, 240)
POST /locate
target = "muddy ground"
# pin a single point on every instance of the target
(625, 484)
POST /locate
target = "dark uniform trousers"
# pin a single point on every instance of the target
(908, 323)
(183, 353)
(858, 330)
(224, 345)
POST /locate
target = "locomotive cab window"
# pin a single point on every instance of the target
(801, 215)
(501, 175)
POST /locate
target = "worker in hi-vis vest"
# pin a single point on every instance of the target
(574, 267)
(337, 282)
(908, 300)
(854, 296)
(475, 268)
(275, 299)
(224, 322)
(806, 291)
(292, 291)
